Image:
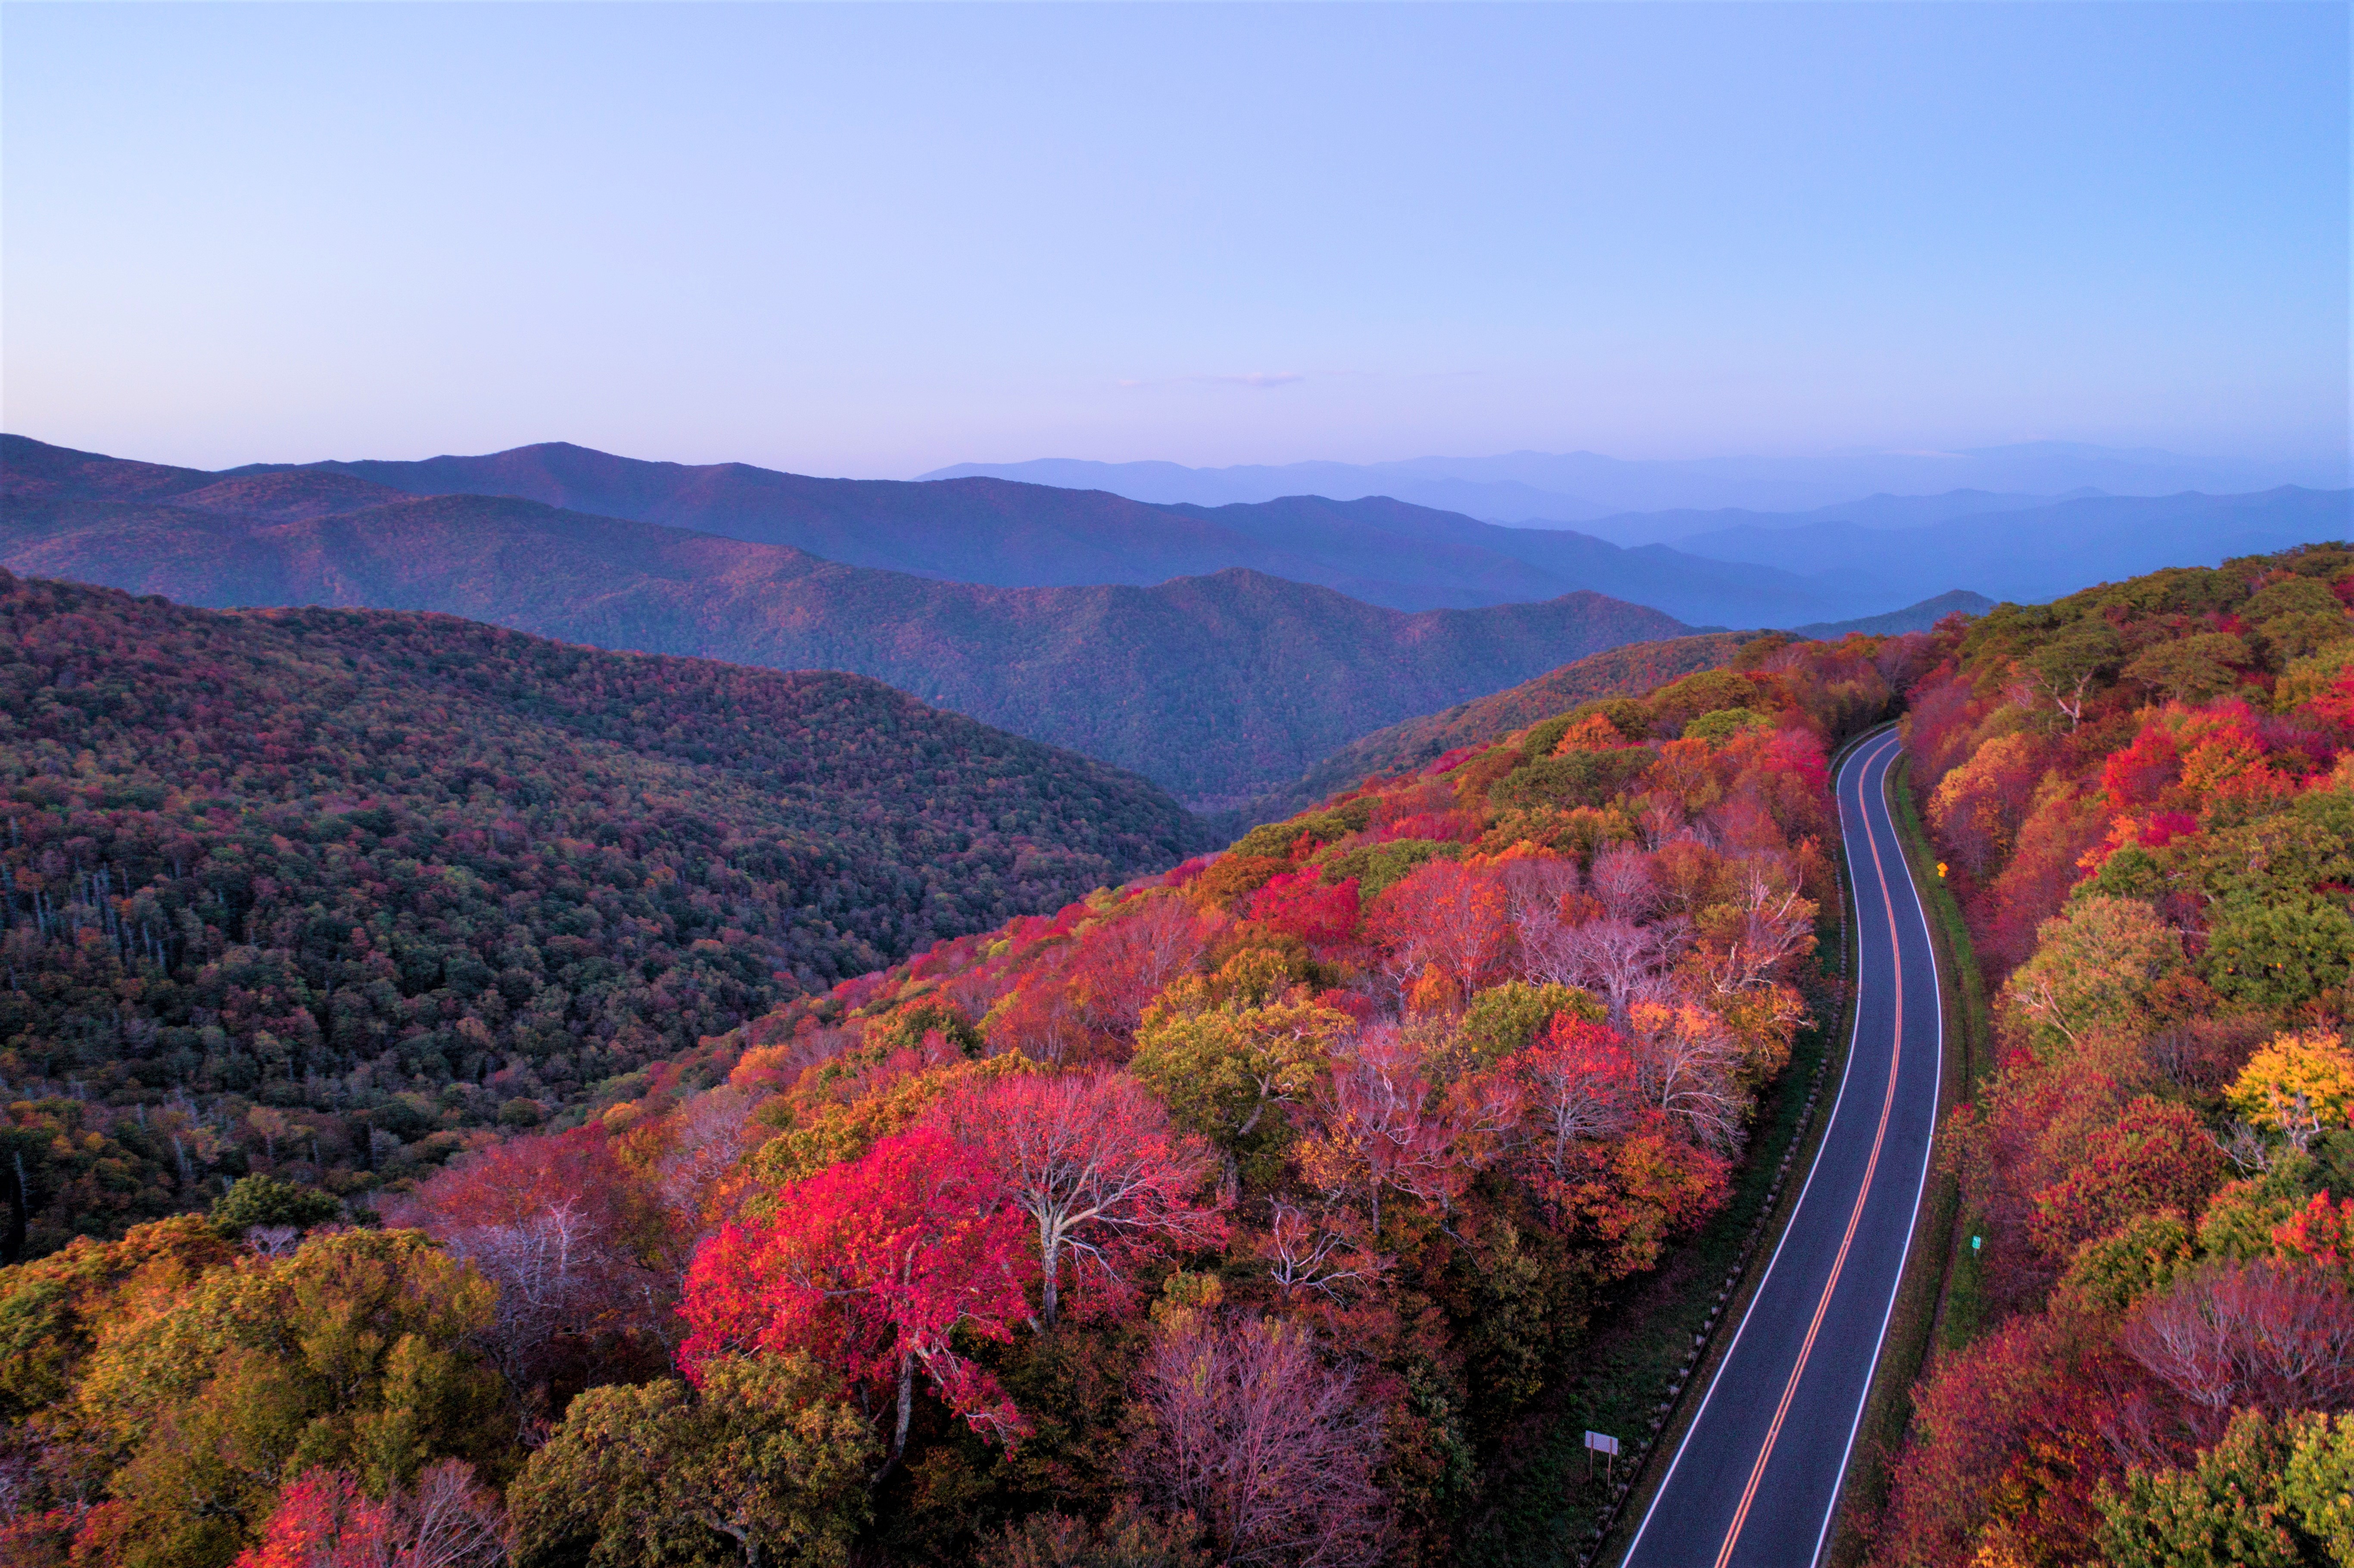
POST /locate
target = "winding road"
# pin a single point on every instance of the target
(1755, 1481)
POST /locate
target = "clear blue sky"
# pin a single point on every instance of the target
(875, 240)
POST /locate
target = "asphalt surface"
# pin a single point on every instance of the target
(1755, 1481)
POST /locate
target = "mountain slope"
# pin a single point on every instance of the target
(1631, 671)
(1218, 687)
(385, 871)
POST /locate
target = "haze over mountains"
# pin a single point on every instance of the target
(1221, 652)
(1587, 487)
(1217, 687)
(1728, 567)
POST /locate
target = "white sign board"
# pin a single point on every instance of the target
(1602, 1443)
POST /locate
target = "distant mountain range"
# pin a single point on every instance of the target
(1014, 534)
(1725, 567)
(1590, 489)
(1217, 687)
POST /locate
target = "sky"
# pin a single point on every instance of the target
(872, 242)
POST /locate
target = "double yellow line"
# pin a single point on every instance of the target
(1855, 1215)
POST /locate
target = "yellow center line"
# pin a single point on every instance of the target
(1855, 1216)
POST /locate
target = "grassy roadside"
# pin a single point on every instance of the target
(1640, 1379)
(1940, 1301)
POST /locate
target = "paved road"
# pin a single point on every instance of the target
(1755, 1481)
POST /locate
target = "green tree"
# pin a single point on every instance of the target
(2224, 1511)
(2094, 968)
(763, 1465)
(1227, 1072)
(2064, 668)
(2191, 669)
(2280, 954)
(352, 1354)
(2140, 1257)
(2318, 1484)
(1502, 1019)
(266, 1201)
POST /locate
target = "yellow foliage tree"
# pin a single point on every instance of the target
(2299, 1082)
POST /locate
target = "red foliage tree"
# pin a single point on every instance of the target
(1118, 966)
(564, 1228)
(2143, 772)
(2321, 1232)
(324, 1520)
(1444, 915)
(1648, 1186)
(1301, 904)
(2064, 823)
(872, 1265)
(1577, 1086)
(2241, 1334)
(2156, 1156)
(1380, 1126)
(1989, 1425)
(1090, 1157)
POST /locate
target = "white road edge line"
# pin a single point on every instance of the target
(1937, 986)
(1838, 1104)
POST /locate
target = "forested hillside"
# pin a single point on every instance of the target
(2144, 794)
(1628, 672)
(1217, 688)
(331, 891)
(1239, 1214)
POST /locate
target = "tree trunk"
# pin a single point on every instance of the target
(906, 1404)
(1051, 1298)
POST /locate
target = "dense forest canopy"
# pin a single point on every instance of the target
(2144, 794)
(1240, 1213)
(336, 891)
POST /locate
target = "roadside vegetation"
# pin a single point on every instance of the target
(2145, 796)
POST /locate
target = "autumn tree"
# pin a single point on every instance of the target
(564, 1230)
(1120, 964)
(324, 1520)
(763, 1463)
(2248, 1334)
(1230, 1074)
(1273, 1451)
(2155, 1155)
(1090, 1157)
(1443, 917)
(1613, 957)
(2298, 1084)
(1579, 1085)
(1689, 1066)
(871, 1267)
(1130, 1537)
